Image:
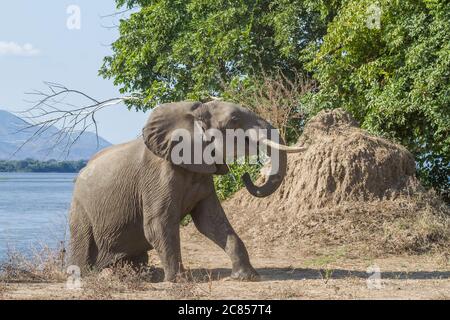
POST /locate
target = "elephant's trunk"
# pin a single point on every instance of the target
(275, 179)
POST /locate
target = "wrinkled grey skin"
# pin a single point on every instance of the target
(130, 198)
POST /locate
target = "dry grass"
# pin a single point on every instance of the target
(405, 225)
(289, 292)
(122, 279)
(118, 279)
(276, 98)
(185, 290)
(421, 225)
(287, 273)
(442, 259)
(190, 285)
(3, 289)
(43, 265)
(49, 266)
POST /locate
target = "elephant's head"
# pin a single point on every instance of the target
(192, 117)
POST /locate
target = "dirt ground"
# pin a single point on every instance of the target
(287, 273)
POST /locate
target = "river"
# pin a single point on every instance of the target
(33, 211)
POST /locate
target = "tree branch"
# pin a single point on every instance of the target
(50, 110)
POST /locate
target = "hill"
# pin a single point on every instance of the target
(13, 134)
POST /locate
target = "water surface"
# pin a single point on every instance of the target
(33, 210)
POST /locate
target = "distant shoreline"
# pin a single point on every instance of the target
(50, 166)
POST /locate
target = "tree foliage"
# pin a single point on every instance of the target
(189, 49)
(227, 185)
(394, 79)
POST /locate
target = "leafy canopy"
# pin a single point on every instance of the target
(189, 49)
(394, 79)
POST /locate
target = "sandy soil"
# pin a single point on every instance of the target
(286, 274)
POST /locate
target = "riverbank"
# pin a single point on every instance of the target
(51, 166)
(287, 273)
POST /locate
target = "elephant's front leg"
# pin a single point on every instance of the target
(210, 220)
(163, 233)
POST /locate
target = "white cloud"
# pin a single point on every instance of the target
(15, 49)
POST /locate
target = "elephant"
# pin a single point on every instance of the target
(131, 197)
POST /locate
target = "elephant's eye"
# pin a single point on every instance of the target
(233, 120)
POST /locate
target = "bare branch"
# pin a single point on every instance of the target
(50, 111)
(276, 98)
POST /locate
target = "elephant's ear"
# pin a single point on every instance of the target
(160, 128)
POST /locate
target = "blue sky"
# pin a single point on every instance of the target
(36, 45)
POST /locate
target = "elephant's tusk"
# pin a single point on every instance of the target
(282, 147)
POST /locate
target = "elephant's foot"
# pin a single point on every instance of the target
(182, 275)
(245, 274)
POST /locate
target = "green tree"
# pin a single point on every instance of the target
(394, 79)
(172, 50)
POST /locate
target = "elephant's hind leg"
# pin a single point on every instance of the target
(164, 236)
(83, 249)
